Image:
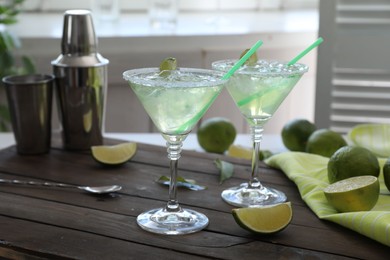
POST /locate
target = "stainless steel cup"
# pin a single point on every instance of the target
(30, 103)
(81, 82)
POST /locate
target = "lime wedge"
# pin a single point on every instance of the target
(353, 194)
(242, 152)
(115, 154)
(374, 137)
(264, 220)
(239, 151)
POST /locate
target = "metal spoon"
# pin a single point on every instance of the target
(96, 190)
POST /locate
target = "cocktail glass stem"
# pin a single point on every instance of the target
(173, 219)
(253, 193)
(257, 135)
(174, 150)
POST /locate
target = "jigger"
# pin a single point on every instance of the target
(81, 82)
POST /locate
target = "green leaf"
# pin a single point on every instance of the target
(226, 170)
(28, 65)
(264, 154)
(181, 182)
(9, 10)
(8, 41)
(6, 62)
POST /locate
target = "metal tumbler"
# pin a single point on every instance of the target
(30, 103)
(81, 82)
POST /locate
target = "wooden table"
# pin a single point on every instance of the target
(40, 223)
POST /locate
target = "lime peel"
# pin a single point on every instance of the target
(114, 154)
(264, 220)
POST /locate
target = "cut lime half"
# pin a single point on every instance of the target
(264, 220)
(114, 154)
(353, 194)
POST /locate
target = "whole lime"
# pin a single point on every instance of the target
(324, 142)
(351, 161)
(386, 173)
(216, 134)
(295, 134)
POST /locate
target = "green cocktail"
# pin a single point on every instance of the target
(258, 90)
(175, 101)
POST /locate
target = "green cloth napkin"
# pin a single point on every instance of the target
(309, 173)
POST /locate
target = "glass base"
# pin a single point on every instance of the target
(161, 221)
(243, 196)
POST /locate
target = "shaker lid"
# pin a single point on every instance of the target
(78, 35)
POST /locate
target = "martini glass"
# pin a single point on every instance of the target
(175, 101)
(258, 90)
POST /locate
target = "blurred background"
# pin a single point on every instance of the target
(140, 33)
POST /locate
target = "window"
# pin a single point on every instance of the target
(184, 5)
(353, 84)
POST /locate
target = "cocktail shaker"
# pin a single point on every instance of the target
(81, 82)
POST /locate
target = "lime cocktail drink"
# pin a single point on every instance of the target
(258, 90)
(175, 101)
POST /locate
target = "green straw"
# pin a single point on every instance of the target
(293, 61)
(226, 76)
(243, 60)
(300, 55)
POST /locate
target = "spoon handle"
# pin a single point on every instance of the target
(36, 183)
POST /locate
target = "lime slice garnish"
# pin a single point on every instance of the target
(114, 154)
(264, 220)
(252, 60)
(167, 65)
(353, 194)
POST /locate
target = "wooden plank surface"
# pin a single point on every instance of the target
(48, 223)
